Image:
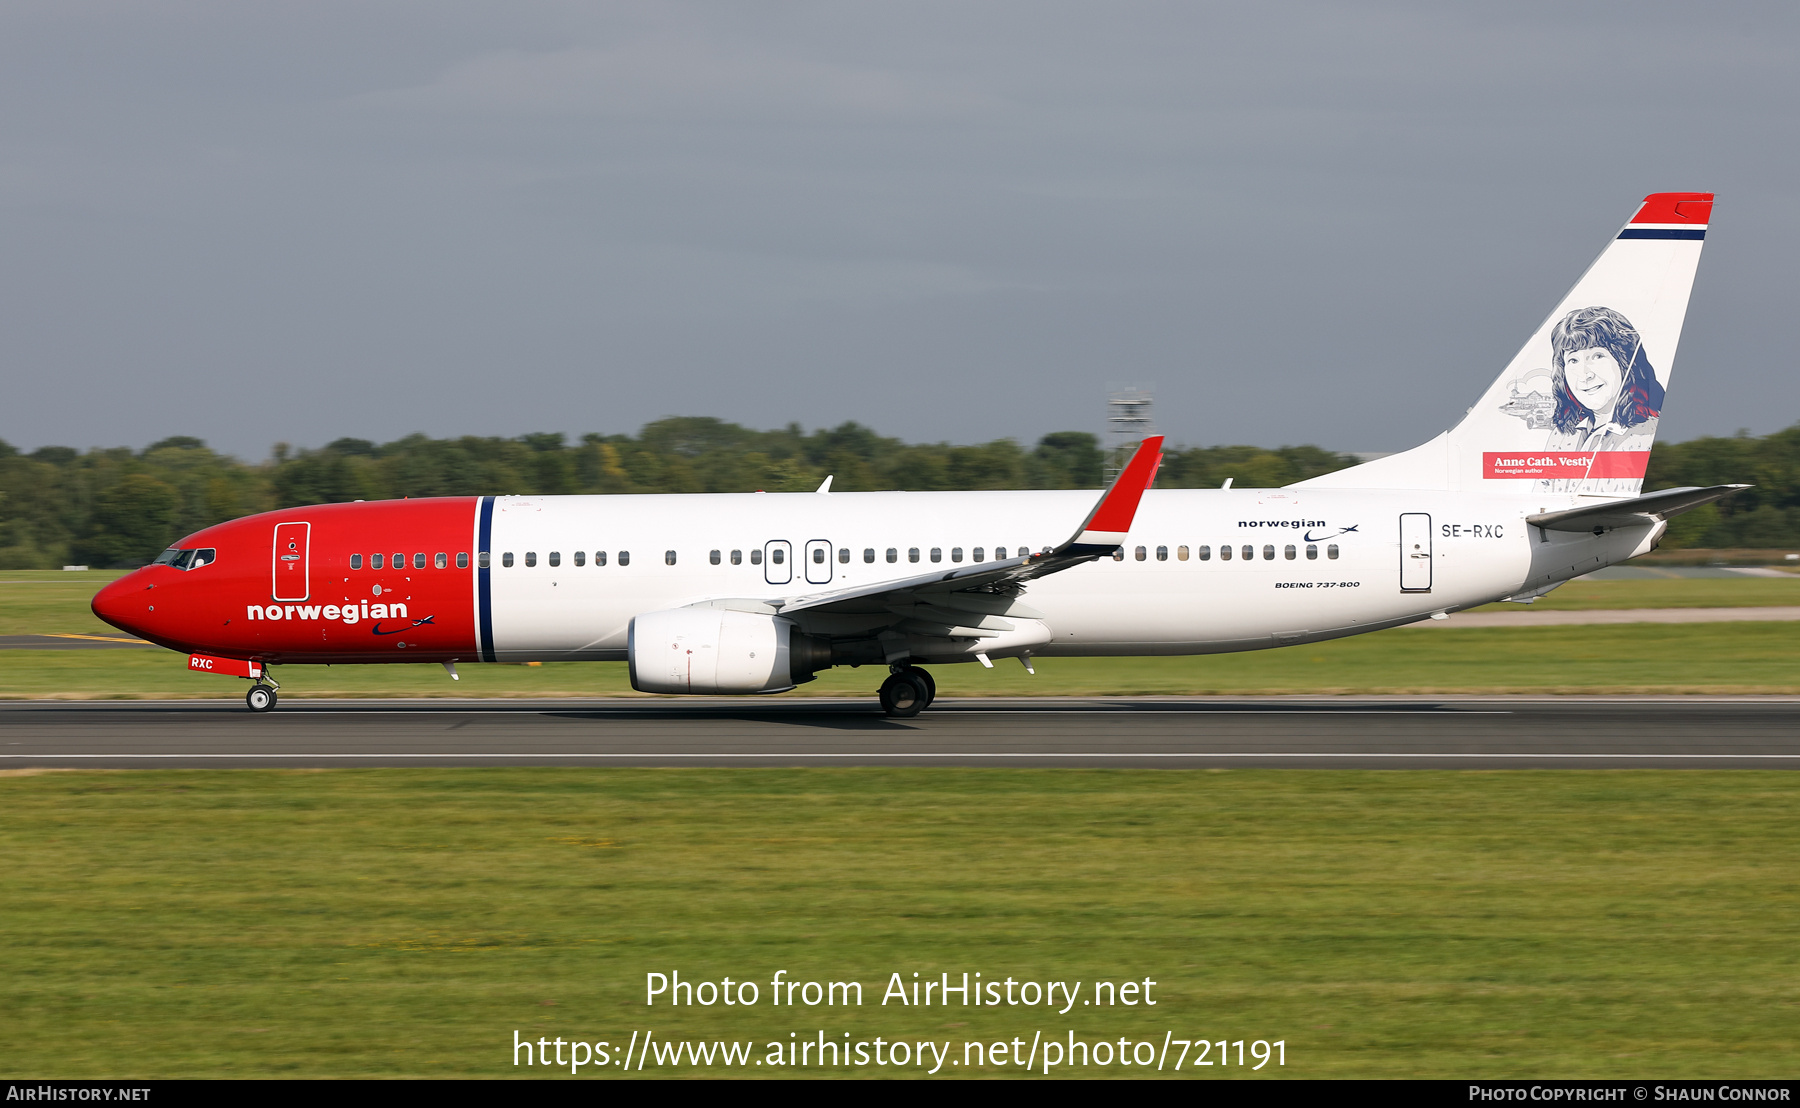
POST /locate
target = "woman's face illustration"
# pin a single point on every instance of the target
(1595, 378)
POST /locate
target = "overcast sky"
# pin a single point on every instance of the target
(1329, 223)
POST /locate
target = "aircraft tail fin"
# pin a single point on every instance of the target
(1576, 410)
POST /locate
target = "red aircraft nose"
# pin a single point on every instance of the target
(126, 603)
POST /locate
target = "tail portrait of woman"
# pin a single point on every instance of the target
(1605, 386)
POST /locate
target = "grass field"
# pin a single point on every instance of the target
(41, 602)
(407, 922)
(1688, 592)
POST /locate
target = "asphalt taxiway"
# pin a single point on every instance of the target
(1174, 732)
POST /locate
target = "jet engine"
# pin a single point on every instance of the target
(713, 650)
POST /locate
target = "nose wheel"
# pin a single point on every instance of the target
(260, 698)
(907, 692)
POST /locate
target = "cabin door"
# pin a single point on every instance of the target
(291, 559)
(818, 562)
(1415, 552)
(778, 562)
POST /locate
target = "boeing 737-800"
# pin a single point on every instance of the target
(755, 593)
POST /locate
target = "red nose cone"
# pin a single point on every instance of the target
(125, 603)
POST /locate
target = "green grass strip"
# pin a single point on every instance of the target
(407, 922)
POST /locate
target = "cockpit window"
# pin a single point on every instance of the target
(187, 559)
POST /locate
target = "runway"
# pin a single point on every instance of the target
(1163, 732)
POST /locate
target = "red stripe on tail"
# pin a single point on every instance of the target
(1676, 207)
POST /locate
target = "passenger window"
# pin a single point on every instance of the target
(893, 555)
(713, 557)
(818, 555)
(599, 557)
(912, 553)
(756, 557)
(869, 555)
(668, 557)
(1000, 553)
(778, 556)
(442, 561)
(1140, 553)
(1288, 553)
(1119, 554)
(556, 557)
(1268, 553)
(624, 557)
(737, 557)
(1204, 553)
(1331, 551)
(937, 553)
(399, 561)
(955, 554)
(375, 561)
(1312, 552)
(580, 557)
(1224, 553)
(481, 559)
(1248, 553)
(976, 555)
(1162, 553)
(505, 560)
(462, 559)
(1181, 553)
(843, 555)
(530, 558)
(356, 561)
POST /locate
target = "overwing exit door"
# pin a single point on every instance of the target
(778, 562)
(1415, 552)
(818, 562)
(291, 558)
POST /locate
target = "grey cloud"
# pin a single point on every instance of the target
(1305, 222)
(660, 79)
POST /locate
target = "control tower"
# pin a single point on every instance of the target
(1128, 423)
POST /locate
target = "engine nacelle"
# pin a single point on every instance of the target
(712, 650)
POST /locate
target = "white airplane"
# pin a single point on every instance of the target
(755, 593)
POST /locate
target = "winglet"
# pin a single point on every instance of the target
(1110, 521)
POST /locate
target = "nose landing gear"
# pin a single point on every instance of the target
(261, 697)
(907, 692)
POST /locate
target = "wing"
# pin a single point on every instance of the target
(967, 610)
(971, 610)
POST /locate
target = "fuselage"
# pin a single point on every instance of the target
(513, 579)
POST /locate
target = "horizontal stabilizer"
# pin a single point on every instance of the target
(1628, 513)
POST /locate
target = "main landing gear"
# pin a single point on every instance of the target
(261, 697)
(908, 691)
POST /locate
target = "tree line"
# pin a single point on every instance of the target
(119, 507)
